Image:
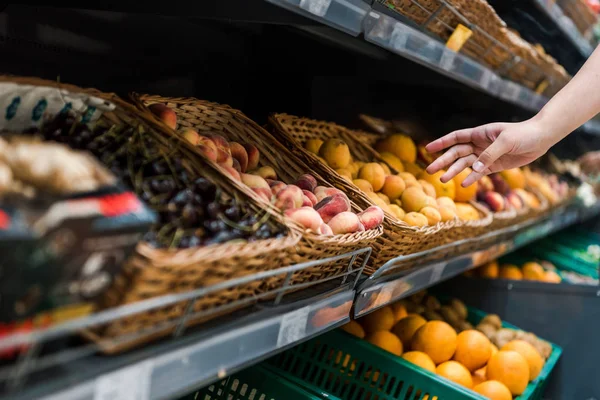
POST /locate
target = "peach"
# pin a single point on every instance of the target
(325, 230)
(397, 211)
(363, 185)
(264, 193)
(165, 114)
(311, 196)
(413, 199)
(372, 217)
(446, 201)
(289, 197)
(447, 213)
(223, 150)
(190, 135)
(346, 173)
(331, 206)
(306, 182)
(494, 201)
(383, 197)
(415, 219)
(306, 201)
(255, 181)
(239, 153)
(227, 162)
(485, 185)
(427, 188)
(321, 192)
(233, 173)
(276, 186)
(336, 153)
(313, 145)
(433, 216)
(374, 174)
(500, 184)
(393, 187)
(236, 165)
(386, 169)
(515, 201)
(253, 156)
(345, 222)
(307, 217)
(265, 172)
(207, 147)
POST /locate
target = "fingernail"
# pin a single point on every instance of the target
(478, 166)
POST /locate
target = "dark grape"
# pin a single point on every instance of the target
(232, 212)
(182, 197)
(189, 215)
(213, 209)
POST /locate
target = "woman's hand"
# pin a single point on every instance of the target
(489, 148)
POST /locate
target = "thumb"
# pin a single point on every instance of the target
(497, 149)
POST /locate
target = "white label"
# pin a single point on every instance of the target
(316, 7)
(437, 271)
(399, 37)
(131, 383)
(447, 60)
(293, 327)
(486, 78)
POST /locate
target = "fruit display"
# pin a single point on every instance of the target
(487, 358)
(529, 271)
(323, 210)
(548, 185)
(192, 210)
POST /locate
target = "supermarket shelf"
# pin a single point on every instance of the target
(592, 127)
(385, 286)
(181, 363)
(566, 25)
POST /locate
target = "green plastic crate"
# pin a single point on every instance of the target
(324, 364)
(254, 383)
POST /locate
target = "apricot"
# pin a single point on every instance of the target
(399, 145)
(207, 147)
(345, 222)
(466, 212)
(386, 169)
(427, 188)
(392, 161)
(253, 156)
(383, 197)
(363, 185)
(412, 168)
(239, 153)
(372, 217)
(431, 202)
(311, 196)
(514, 177)
(378, 201)
(313, 145)
(441, 189)
(464, 194)
(397, 211)
(336, 153)
(346, 173)
(407, 177)
(433, 216)
(165, 114)
(307, 217)
(374, 174)
(413, 199)
(447, 213)
(445, 201)
(289, 197)
(306, 182)
(393, 187)
(354, 167)
(222, 145)
(415, 219)
(331, 206)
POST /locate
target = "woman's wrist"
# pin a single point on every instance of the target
(549, 130)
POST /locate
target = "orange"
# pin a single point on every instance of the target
(399, 311)
(456, 372)
(489, 270)
(421, 359)
(478, 376)
(379, 320)
(399, 145)
(494, 349)
(529, 353)
(552, 277)
(354, 328)
(473, 349)
(406, 328)
(514, 177)
(464, 194)
(386, 340)
(437, 339)
(533, 271)
(441, 189)
(509, 368)
(493, 390)
(510, 272)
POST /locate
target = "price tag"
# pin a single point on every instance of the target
(447, 59)
(399, 37)
(131, 383)
(459, 37)
(436, 271)
(293, 327)
(486, 78)
(316, 7)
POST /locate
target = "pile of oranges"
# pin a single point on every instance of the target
(531, 271)
(467, 357)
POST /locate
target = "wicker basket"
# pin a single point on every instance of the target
(234, 125)
(398, 238)
(580, 13)
(153, 272)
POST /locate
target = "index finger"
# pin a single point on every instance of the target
(460, 136)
